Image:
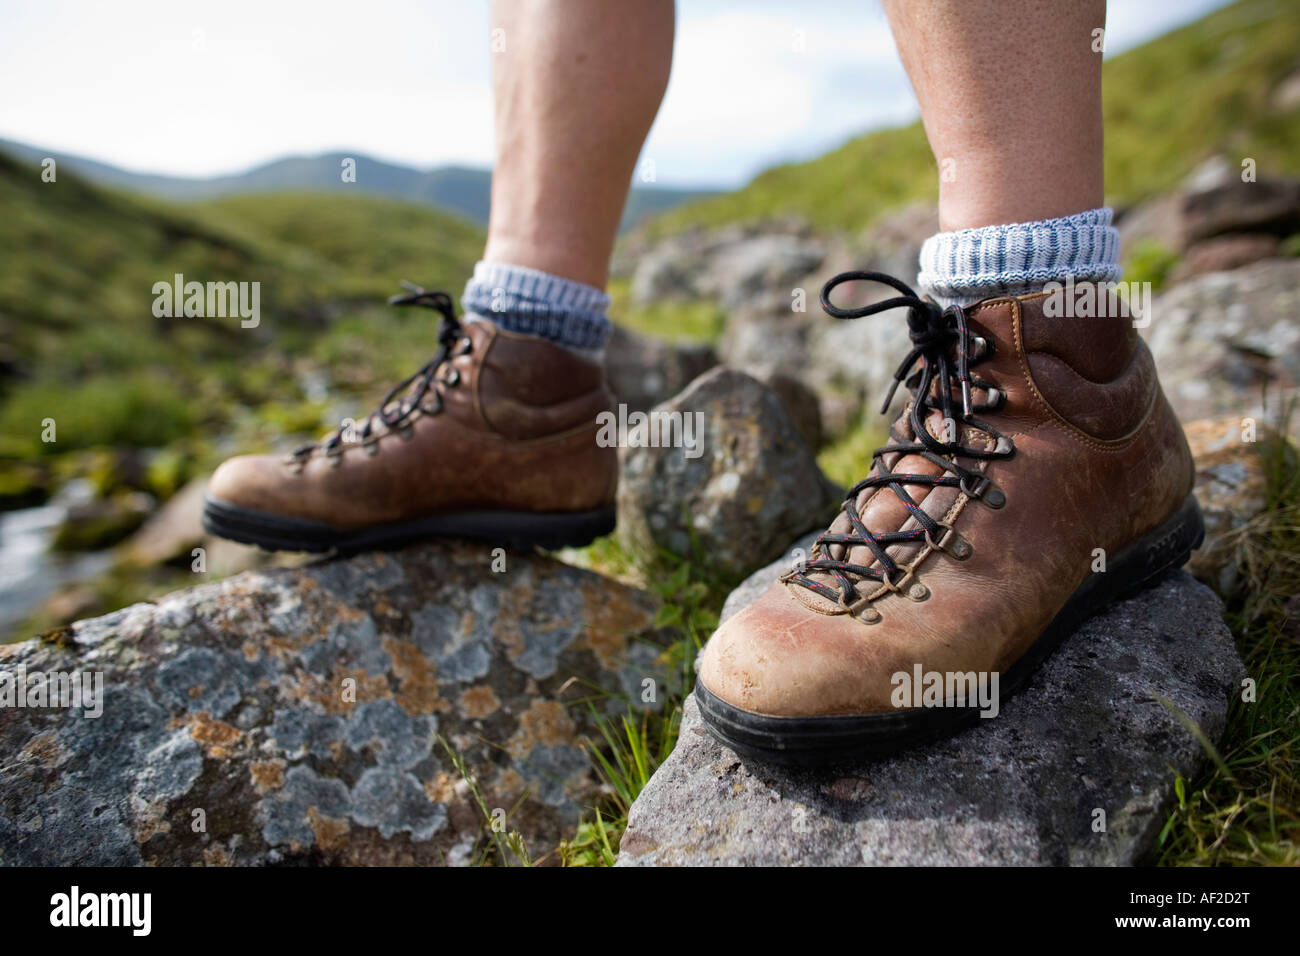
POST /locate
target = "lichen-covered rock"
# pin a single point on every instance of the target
(747, 484)
(644, 371)
(292, 715)
(1231, 488)
(1218, 338)
(763, 268)
(1222, 254)
(1074, 770)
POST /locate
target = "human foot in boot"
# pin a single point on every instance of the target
(1035, 453)
(493, 438)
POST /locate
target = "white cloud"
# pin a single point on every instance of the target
(408, 80)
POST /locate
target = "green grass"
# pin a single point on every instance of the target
(1169, 105)
(633, 743)
(496, 844)
(1245, 810)
(847, 460)
(76, 305)
(694, 321)
(80, 344)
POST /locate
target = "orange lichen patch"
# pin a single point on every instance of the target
(610, 621)
(346, 612)
(441, 789)
(251, 650)
(479, 702)
(509, 785)
(43, 749)
(417, 679)
(217, 855)
(544, 724)
(331, 833)
(216, 737)
(150, 819)
(267, 775)
(327, 692)
(513, 604)
(284, 647)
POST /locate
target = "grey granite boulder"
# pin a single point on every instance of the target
(643, 371)
(293, 715)
(1075, 770)
(743, 483)
(1219, 338)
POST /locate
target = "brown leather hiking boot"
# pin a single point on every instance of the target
(494, 438)
(1035, 452)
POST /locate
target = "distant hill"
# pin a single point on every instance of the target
(1227, 84)
(462, 190)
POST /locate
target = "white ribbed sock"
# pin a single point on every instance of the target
(568, 313)
(964, 267)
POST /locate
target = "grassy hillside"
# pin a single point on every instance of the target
(1170, 104)
(82, 346)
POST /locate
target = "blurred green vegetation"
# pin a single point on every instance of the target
(82, 346)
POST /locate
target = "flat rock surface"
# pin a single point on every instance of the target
(1089, 743)
(293, 715)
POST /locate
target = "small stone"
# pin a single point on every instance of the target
(749, 484)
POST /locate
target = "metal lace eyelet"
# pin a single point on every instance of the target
(466, 347)
(452, 379)
(950, 543)
(985, 491)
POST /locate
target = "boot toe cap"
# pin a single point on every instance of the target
(778, 658)
(247, 481)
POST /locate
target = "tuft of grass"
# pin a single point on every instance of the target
(496, 845)
(1245, 809)
(847, 460)
(632, 744)
(689, 321)
(1149, 261)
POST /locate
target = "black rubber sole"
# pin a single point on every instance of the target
(818, 741)
(513, 529)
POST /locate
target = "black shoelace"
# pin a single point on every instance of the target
(938, 335)
(394, 415)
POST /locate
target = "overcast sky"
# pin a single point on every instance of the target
(216, 86)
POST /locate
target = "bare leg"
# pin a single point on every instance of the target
(576, 89)
(1010, 94)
